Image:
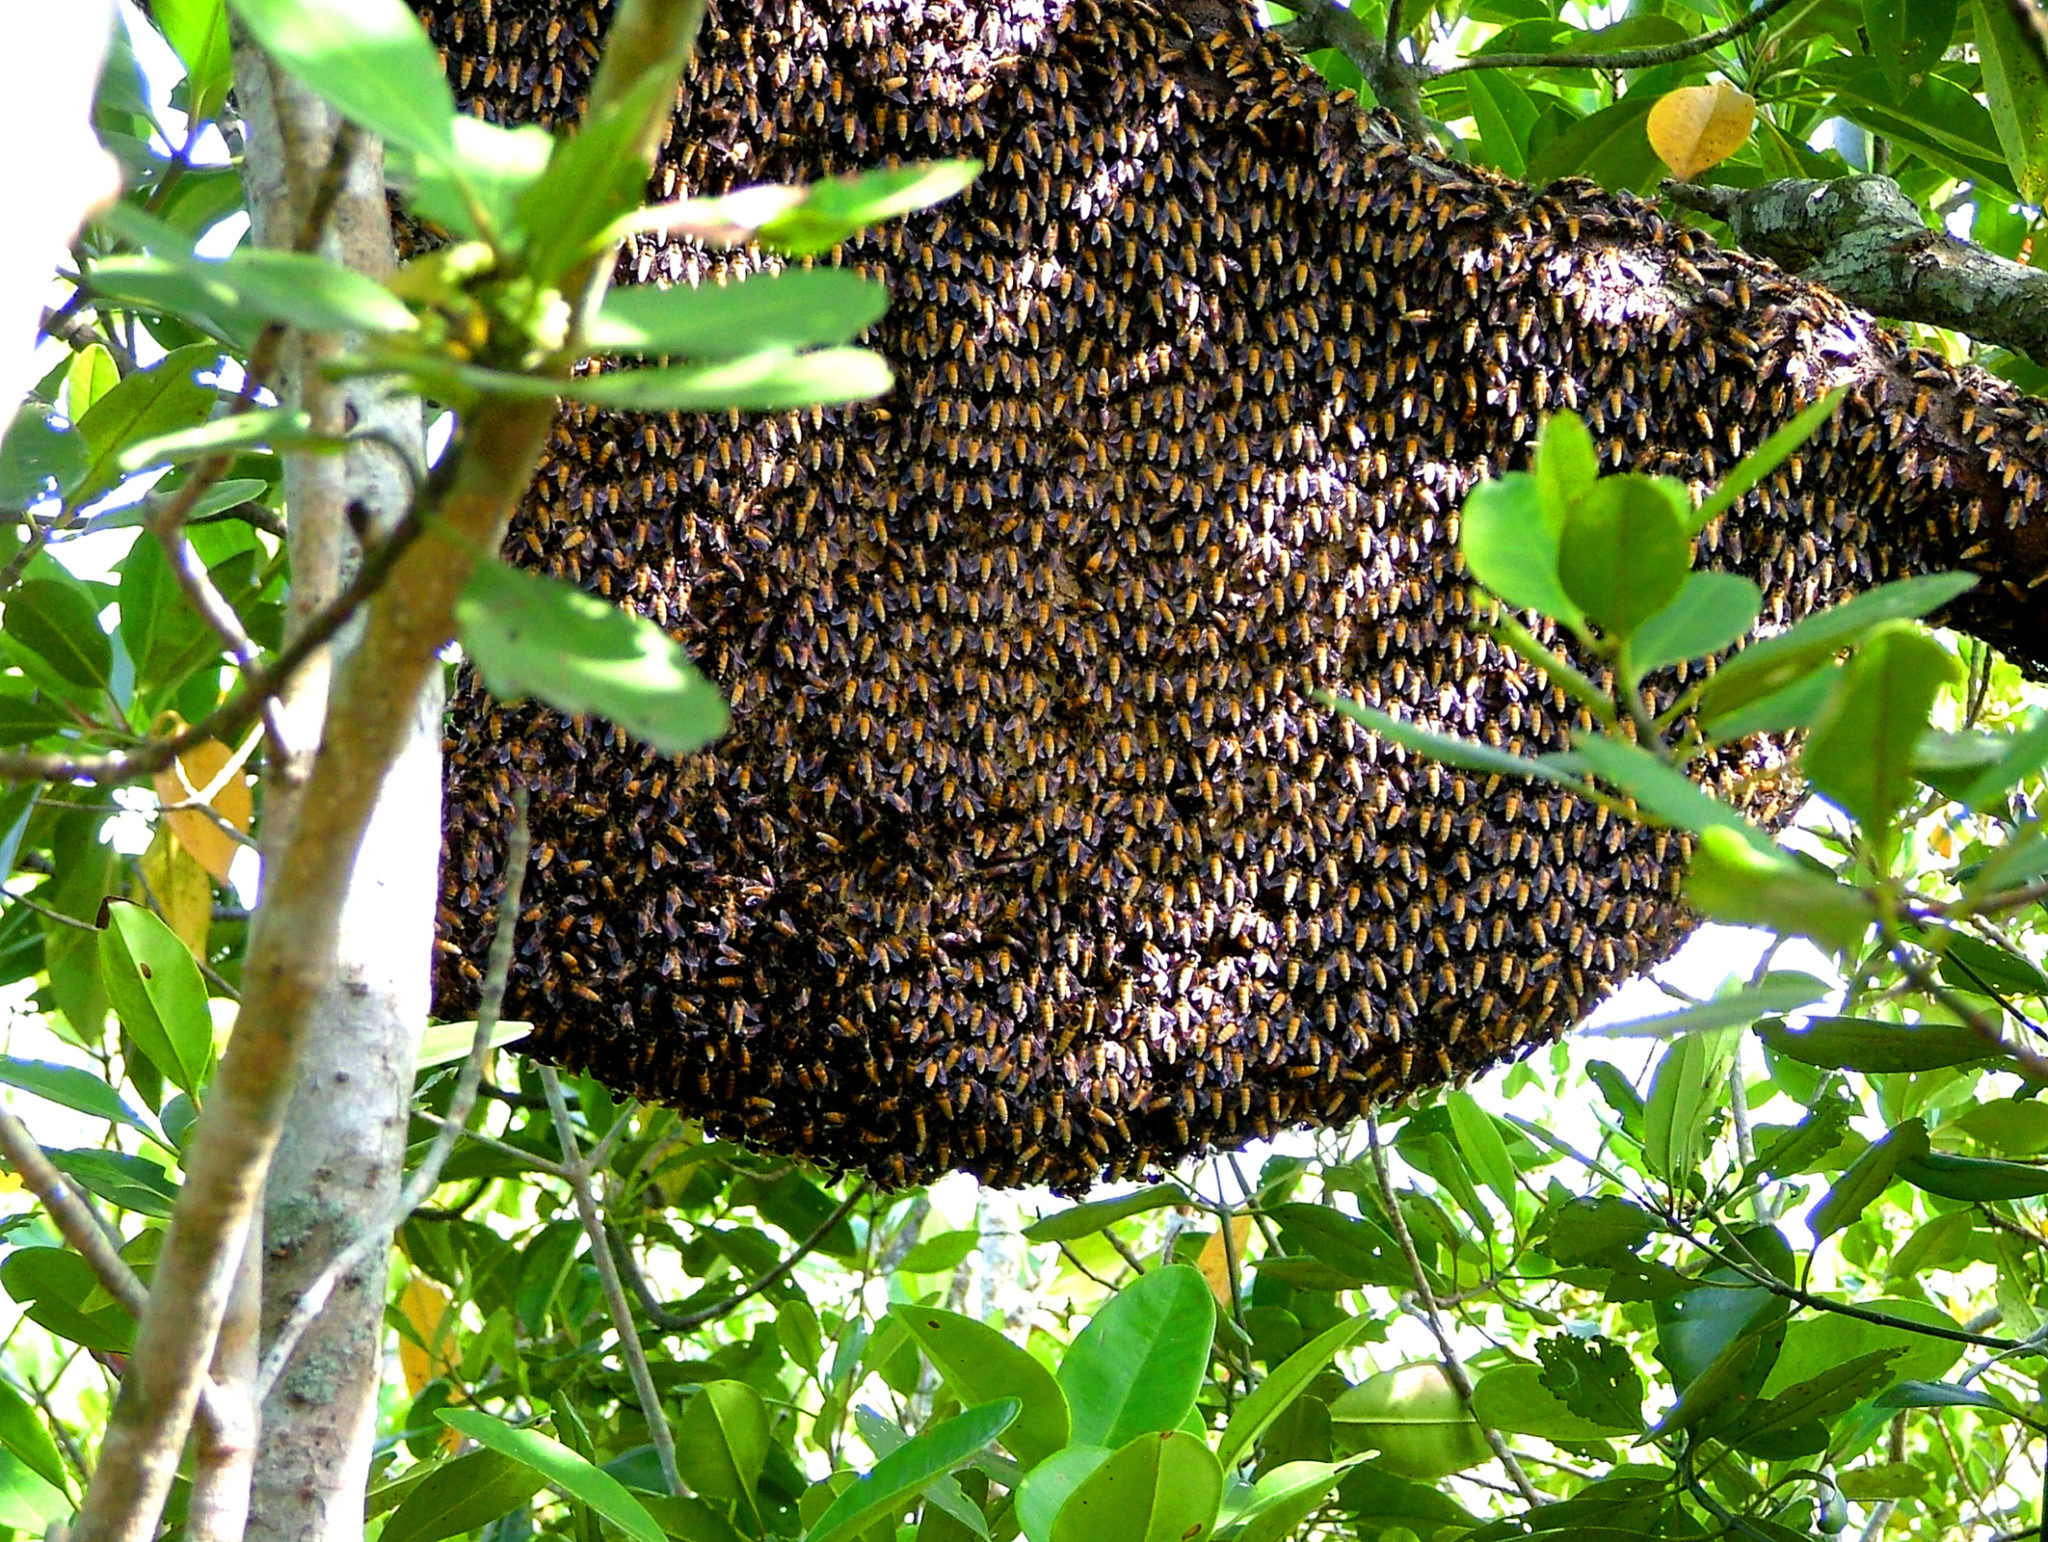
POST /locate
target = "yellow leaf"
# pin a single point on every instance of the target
(1215, 1264)
(188, 780)
(182, 890)
(1696, 127)
(431, 1349)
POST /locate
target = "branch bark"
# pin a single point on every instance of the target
(1865, 240)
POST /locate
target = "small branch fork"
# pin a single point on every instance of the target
(1425, 1302)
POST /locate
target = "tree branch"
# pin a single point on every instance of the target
(1623, 58)
(1395, 82)
(1865, 240)
(73, 1214)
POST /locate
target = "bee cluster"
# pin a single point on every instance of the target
(1030, 853)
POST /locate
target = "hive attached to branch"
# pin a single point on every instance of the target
(1029, 853)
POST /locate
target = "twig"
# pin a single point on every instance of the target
(74, 324)
(1425, 1297)
(532, 1159)
(76, 1219)
(672, 1321)
(461, 1102)
(1623, 58)
(608, 1276)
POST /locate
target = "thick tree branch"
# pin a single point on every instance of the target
(1624, 58)
(1866, 240)
(1395, 82)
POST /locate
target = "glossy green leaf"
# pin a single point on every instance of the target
(1413, 1418)
(460, 1496)
(1511, 547)
(980, 1365)
(444, 1043)
(802, 308)
(1287, 1381)
(198, 30)
(1047, 1486)
(371, 59)
(1567, 466)
(59, 1292)
(1760, 462)
(1138, 1365)
(23, 1432)
(1504, 114)
(1859, 752)
(478, 191)
(1710, 612)
(898, 1478)
(28, 1503)
(1870, 1045)
(1624, 552)
(165, 637)
(1513, 1399)
(163, 399)
(1480, 1144)
(1942, 1394)
(832, 210)
(1688, 1087)
(1086, 1219)
(1783, 990)
(1362, 1251)
(1164, 1486)
(92, 375)
(1979, 1179)
(2016, 90)
(1765, 668)
(57, 621)
(1866, 1178)
(1467, 754)
(1731, 880)
(124, 1181)
(538, 636)
(1660, 790)
(155, 988)
(1817, 1341)
(721, 1440)
(560, 1468)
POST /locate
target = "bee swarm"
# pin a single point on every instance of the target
(1029, 853)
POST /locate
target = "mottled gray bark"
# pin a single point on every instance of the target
(340, 1160)
(1866, 240)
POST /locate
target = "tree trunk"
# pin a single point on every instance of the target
(339, 1163)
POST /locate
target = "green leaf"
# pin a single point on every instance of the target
(1505, 114)
(1942, 1394)
(1817, 1341)
(1360, 1250)
(37, 456)
(832, 210)
(1514, 1400)
(127, 1182)
(1908, 37)
(27, 1503)
(1719, 1342)
(980, 1365)
(198, 30)
(1867, 1177)
(1511, 547)
(1859, 752)
(1467, 754)
(441, 1043)
(460, 1496)
(156, 990)
(478, 192)
(1594, 1379)
(1869, 1045)
(1287, 1381)
(54, 1286)
(558, 1466)
(23, 1432)
(314, 294)
(1765, 668)
(165, 637)
(92, 375)
(162, 399)
(1624, 552)
(531, 635)
(1567, 467)
(1582, 1229)
(1660, 790)
(1731, 880)
(56, 620)
(1712, 611)
(1284, 1497)
(1973, 1178)
(1413, 1418)
(1825, 1396)
(1479, 1143)
(898, 1478)
(1086, 1219)
(722, 1441)
(1163, 1486)
(371, 59)
(2016, 90)
(2020, 755)
(2014, 1126)
(1782, 990)
(802, 308)
(73, 1088)
(1688, 1087)
(1139, 1363)
(1047, 1486)
(1766, 458)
